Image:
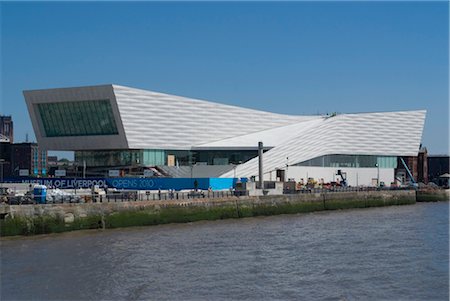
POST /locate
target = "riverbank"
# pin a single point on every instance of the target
(433, 195)
(54, 218)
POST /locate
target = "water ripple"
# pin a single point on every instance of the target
(391, 253)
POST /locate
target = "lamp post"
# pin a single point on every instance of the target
(75, 165)
(287, 169)
(378, 174)
(2, 161)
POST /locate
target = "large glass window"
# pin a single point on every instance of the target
(110, 158)
(77, 118)
(154, 157)
(209, 157)
(224, 157)
(351, 161)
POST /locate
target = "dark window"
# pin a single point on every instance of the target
(77, 118)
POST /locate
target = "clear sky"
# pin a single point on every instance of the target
(290, 57)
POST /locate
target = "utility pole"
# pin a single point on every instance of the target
(260, 155)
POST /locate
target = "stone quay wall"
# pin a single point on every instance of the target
(48, 218)
(433, 195)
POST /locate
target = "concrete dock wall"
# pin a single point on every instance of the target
(37, 219)
(433, 195)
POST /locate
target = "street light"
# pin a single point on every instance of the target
(2, 161)
(287, 169)
(378, 174)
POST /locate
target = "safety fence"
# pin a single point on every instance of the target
(344, 189)
(134, 196)
(123, 196)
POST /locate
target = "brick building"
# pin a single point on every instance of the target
(417, 165)
(28, 156)
(25, 158)
(7, 128)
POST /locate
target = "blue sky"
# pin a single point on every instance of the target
(290, 57)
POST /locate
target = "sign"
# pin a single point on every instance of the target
(61, 183)
(24, 172)
(130, 183)
(170, 160)
(60, 173)
(114, 173)
(148, 173)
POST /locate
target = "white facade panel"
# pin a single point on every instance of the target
(271, 137)
(355, 176)
(160, 121)
(388, 134)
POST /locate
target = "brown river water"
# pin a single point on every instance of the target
(389, 253)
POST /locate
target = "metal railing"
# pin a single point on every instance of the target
(344, 189)
(134, 196)
(123, 196)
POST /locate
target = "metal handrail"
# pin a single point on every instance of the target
(134, 196)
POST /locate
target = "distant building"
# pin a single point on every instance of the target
(437, 166)
(6, 129)
(52, 160)
(28, 158)
(23, 159)
(417, 165)
(5, 159)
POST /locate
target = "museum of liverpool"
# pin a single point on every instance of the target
(139, 132)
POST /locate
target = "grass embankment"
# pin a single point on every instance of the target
(176, 214)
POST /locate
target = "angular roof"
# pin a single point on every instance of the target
(152, 120)
(157, 120)
(388, 134)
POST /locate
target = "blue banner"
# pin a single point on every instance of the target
(131, 183)
(157, 183)
(62, 183)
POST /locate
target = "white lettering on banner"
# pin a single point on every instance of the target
(125, 183)
(32, 181)
(146, 184)
(66, 183)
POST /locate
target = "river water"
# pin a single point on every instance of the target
(389, 253)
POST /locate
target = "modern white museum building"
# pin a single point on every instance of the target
(117, 127)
